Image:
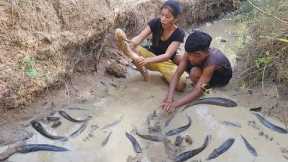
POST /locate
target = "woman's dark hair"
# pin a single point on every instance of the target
(173, 6)
(198, 41)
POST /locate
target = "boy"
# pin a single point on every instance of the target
(208, 67)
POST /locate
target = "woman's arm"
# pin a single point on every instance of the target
(166, 56)
(134, 42)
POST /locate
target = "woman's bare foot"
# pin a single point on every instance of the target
(121, 41)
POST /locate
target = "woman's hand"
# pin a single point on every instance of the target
(141, 61)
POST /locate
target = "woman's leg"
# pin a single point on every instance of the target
(121, 41)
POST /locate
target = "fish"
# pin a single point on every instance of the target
(52, 118)
(256, 109)
(113, 123)
(79, 130)
(150, 137)
(250, 148)
(228, 123)
(218, 101)
(189, 154)
(77, 108)
(270, 125)
(38, 126)
(221, 149)
(106, 139)
(70, 118)
(180, 129)
(27, 148)
(168, 121)
(40, 147)
(136, 146)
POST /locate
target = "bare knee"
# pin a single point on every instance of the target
(195, 74)
(180, 86)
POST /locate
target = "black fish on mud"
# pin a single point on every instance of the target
(70, 118)
(136, 146)
(180, 129)
(218, 101)
(29, 148)
(113, 123)
(150, 137)
(38, 126)
(221, 149)
(106, 139)
(270, 125)
(189, 154)
(250, 148)
(79, 130)
(228, 123)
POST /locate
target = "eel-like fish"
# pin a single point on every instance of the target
(270, 125)
(228, 123)
(113, 123)
(38, 126)
(250, 148)
(180, 129)
(136, 146)
(219, 101)
(189, 154)
(27, 148)
(150, 137)
(168, 121)
(106, 139)
(221, 149)
(70, 118)
(79, 130)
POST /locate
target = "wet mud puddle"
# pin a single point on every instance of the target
(128, 126)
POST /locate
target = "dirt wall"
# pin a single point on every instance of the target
(43, 42)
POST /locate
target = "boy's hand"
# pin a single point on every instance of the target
(168, 105)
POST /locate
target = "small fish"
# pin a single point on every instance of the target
(256, 109)
(270, 125)
(79, 130)
(228, 123)
(113, 123)
(219, 101)
(179, 140)
(29, 148)
(56, 124)
(189, 154)
(68, 117)
(136, 146)
(40, 147)
(250, 148)
(77, 108)
(150, 137)
(221, 149)
(52, 118)
(180, 129)
(37, 126)
(106, 139)
(168, 121)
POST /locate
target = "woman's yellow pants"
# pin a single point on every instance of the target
(166, 68)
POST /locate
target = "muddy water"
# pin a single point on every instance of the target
(131, 103)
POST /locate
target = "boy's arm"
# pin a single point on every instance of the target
(173, 83)
(197, 90)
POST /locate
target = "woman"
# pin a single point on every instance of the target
(166, 38)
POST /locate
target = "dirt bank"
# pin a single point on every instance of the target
(43, 43)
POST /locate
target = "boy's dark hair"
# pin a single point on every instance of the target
(175, 7)
(198, 41)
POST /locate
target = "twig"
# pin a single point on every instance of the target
(263, 75)
(265, 13)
